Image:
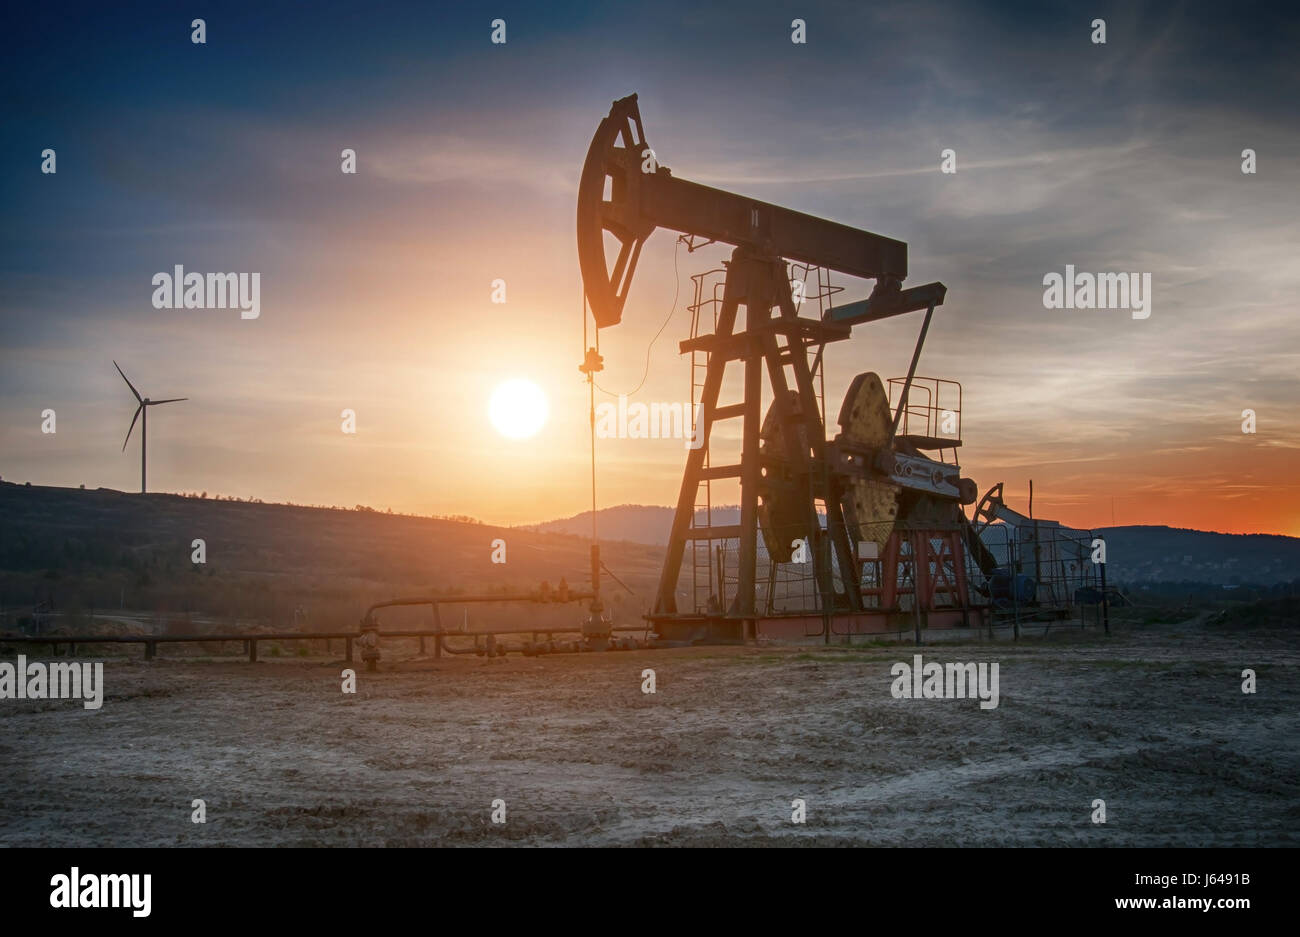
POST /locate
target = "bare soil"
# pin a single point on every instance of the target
(1152, 721)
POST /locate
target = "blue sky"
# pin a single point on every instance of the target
(225, 156)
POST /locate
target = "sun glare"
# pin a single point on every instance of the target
(518, 409)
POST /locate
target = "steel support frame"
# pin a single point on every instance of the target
(759, 283)
(939, 580)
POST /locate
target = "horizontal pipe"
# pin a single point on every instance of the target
(176, 638)
(537, 597)
(496, 631)
(279, 636)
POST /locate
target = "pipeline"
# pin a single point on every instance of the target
(600, 640)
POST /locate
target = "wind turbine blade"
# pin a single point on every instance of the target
(168, 400)
(133, 419)
(128, 382)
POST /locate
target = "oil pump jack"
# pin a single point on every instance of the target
(874, 513)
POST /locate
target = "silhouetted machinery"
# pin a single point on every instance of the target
(870, 521)
(1034, 563)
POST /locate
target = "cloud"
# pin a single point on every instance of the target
(1123, 157)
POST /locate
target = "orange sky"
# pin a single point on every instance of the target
(376, 287)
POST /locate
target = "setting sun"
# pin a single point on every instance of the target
(518, 409)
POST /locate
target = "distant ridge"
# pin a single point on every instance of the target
(109, 531)
(637, 523)
(1135, 553)
(1170, 554)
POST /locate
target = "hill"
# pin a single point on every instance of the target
(1137, 554)
(77, 550)
(638, 523)
(86, 553)
(1165, 554)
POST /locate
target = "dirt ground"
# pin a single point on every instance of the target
(1151, 721)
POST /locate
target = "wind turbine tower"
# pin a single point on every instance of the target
(144, 404)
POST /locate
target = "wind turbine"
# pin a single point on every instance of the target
(145, 404)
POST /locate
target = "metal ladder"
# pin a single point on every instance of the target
(702, 561)
(811, 598)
